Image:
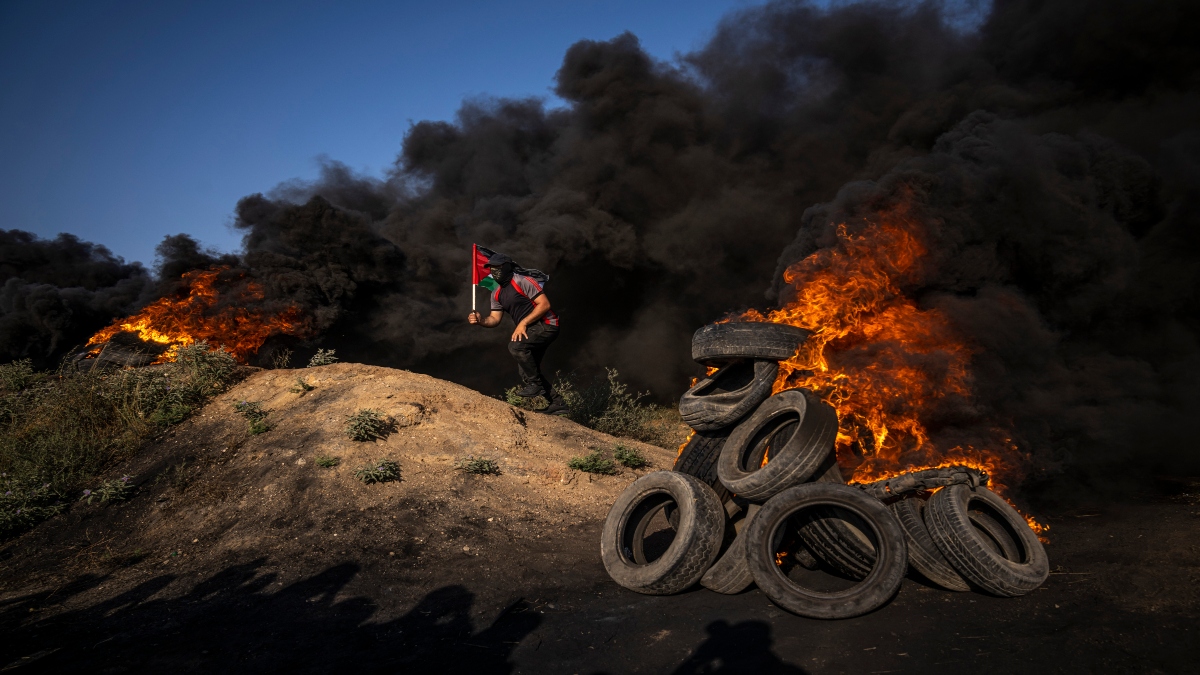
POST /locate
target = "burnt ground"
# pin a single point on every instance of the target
(1123, 598)
(252, 559)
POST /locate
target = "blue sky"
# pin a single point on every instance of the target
(122, 122)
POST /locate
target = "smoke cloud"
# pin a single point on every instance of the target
(1051, 153)
(57, 292)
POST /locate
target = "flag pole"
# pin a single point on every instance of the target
(474, 281)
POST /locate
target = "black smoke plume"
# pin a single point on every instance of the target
(58, 292)
(1052, 152)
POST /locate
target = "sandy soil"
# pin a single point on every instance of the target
(260, 561)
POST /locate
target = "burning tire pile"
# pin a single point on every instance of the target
(756, 497)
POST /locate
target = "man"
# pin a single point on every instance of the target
(537, 327)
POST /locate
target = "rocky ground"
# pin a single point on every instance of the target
(240, 554)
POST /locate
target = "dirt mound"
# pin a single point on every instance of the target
(211, 494)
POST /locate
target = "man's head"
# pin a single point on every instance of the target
(501, 267)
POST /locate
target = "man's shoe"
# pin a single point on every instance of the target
(556, 408)
(531, 391)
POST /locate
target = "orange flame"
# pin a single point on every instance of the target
(181, 321)
(691, 433)
(880, 359)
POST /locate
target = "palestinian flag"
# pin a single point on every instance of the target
(481, 275)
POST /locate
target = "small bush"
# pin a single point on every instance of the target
(323, 357)
(379, 472)
(629, 457)
(201, 371)
(481, 466)
(282, 359)
(593, 463)
(24, 504)
(536, 403)
(116, 490)
(17, 375)
(327, 462)
(301, 387)
(369, 425)
(255, 414)
(606, 405)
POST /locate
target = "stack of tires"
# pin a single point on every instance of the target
(756, 497)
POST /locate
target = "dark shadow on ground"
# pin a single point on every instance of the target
(240, 620)
(736, 649)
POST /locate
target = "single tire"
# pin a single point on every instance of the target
(872, 592)
(794, 428)
(730, 575)
(959, 518)
(697, 541)
(746, 340)
(728, 395)
(923, 555)
(700, 456)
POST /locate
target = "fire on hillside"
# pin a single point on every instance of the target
(207, 308)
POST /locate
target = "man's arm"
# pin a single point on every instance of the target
(489, 321)
(541, 305)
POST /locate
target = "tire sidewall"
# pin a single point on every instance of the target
(785, 468)
(686, 491)
(873, 591)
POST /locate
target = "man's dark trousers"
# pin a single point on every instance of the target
(529, 353)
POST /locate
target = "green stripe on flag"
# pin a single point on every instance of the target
(489, 283)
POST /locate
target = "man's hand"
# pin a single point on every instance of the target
(520, 334)
(490, 321)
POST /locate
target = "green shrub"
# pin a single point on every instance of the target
(24, 504)
(629, 457)
(482, 466)
(323, 357)
(369, 425)
(535, 403)
(379, 472)
(301, 387)
(594, 462)
(65, 427)
(255, 414)
(202, 371)
(16, 375)
(116, 490)
(607, 405)
(327, 462)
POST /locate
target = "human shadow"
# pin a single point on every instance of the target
(735, 649)
(240, 620)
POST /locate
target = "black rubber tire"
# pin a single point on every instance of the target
(728, 395)
(997, 538)
(793, 460)
(729, 575)
(839, 540)
(745, 340)
(952, 527)
(700, 456)
(873, 591)
(697, 539)
(923, 555)
(829, 473)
